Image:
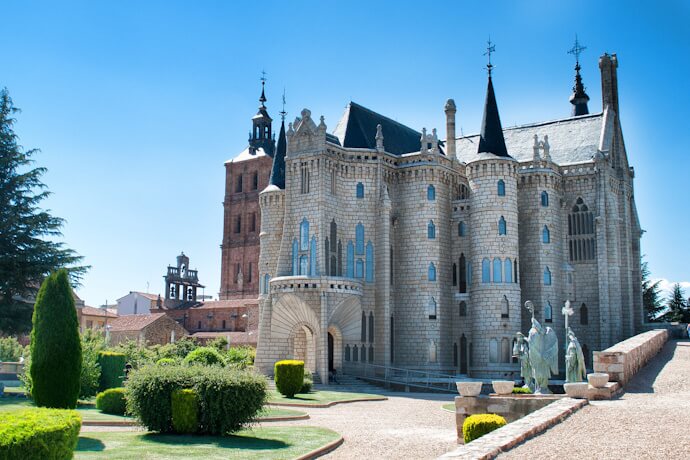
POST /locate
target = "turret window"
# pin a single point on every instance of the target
(359, 268)
(508, 268)
(238, 184)
(295, 256)
(463, 274)
(501, 188)
(502, 226)
(545, 235)
(498, 270)
(304, 186)
(547, 277)
(544, 199)
(431, 193)
(505, 308)
(359, 238)
(432, 272)
(255, 180)
(461, 228)
(548, 312)
(431, 230)
(462, 309)
(312, 257)
(350, 260)
(304, 235)
(486, 271)
(431, 308)
(455, 275)
(360, 190)
(584, 315)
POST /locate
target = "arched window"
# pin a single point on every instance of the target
(360, 190)
(502, 226)
(371, 327)
(486, 271)
(544, 199)
(547, 277)
(455, 275)
(584, 315)
(432, 351)
(347, 352)
(501, 188)
(463, 274)
(505, 350)
(493, 351)
(255, 181)
(515, 266)
(498, 270)
(505, 308)
(363, 354)
(267, 281)
(359, 239)
(431, 308)
(364, 328)
(548, 312)
(581, 234)
(462, 308)
(461, 228)
(455, 354)
(304, 235)
(371, 353)
(431, 193)
(370, 263)
(350, 260)
(312, 257)
(359, 268)
(355, 354)
(431, 230)
(432, 272)
(508, 269)
(545, 235)
(303, 265)
(295, 256)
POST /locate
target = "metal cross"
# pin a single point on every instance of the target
(491, 48)
(283, 112)
(576, 50)
(263, 77)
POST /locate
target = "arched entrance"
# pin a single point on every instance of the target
(304, 347)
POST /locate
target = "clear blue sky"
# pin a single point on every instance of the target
(137, 104)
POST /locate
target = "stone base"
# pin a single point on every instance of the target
(610, 391)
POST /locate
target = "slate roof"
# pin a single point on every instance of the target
(134, 322)
(357, 129)
(572, 140)
(491, 136)
(278, 169)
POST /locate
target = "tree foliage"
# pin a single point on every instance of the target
(678, 309)
(651, 297)
(56, 355)
(27, 232)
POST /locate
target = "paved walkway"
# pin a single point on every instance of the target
(407, 426)
(650, 421)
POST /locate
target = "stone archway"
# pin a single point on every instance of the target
(304, 346)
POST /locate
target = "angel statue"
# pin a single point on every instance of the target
(521, 351)
(575, 370)
(543, 353)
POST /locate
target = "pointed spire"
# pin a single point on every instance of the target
(491, 137)
(579, 98)
(263, 99)
(278, 170)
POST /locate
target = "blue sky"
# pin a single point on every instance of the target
(137, 104)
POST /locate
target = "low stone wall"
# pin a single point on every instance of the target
(625, 358)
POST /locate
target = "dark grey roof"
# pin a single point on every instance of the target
(278, 169)
(491, 136)
(357, 129)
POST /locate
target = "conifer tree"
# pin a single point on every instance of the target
(28, 248)
(678, 310)
(651, 298)
(55, 345)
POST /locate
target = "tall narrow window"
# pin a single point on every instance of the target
(493, 351)
(544, 199)
(498, 270)
(505, 308)
(469, 273)
(267, 283)
(431, 193)
(359, 239)
(238, 183)
(238, 224)
(462, 308)
(371, 327)
(432, 272)
(486, 271)
(501, 188)
(347, 352)
(462, 275)
(340, 258)
(249, 273)
(303, 265)
(584, 315)
(252, 222)
(312, 257)
(455, 274)
(502, 226)
(359, 268)
(305, 180)
(350, 260)
(295, 255)
(334, 176)
(508, 270)
(461, 228)
(370, 263)
(364, 327)
(431, 230)
(547, 277)
(431, 308)
(255, 181)
(548, 312)
(515, 266)
(433, 352)
(545, 235)
(360, 190)
(581, 233)
(304, 235)
(505, 350)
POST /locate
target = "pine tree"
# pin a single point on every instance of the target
(55, 345)
(651, 298)
(678, 310)
(27, 233)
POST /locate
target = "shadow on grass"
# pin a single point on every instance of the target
(235, 442)
(89, 445)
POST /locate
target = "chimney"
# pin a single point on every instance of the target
(608, 64)
(450, 128)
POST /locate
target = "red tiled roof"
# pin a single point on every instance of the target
(134, 322)
(91, 311)
(235, 303)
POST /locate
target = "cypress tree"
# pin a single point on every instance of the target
(55, 345)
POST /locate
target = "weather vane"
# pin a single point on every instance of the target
(283, 112)
(576, 50)
(491, 48)
(263, 77)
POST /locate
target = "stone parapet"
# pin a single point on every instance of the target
(624, 359)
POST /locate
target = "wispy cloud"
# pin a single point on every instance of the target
(666, 287)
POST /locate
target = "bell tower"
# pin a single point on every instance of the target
(261, 136)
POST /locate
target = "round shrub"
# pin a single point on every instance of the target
(207, 356)
(112, 369)
(289, 376)
(166, 362)
(38, 434)
(307, 383)
(476, 426)
(522, 391)
(55, 345)
(185, 411)
(112, 401)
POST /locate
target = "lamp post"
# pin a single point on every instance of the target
(246, 328)
(107, 334)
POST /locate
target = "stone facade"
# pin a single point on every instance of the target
(153, 329)
(423, 258)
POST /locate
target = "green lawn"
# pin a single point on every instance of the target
(264, 443)
(88, 413)
(269, 412)
(318, 397)
(449, 407)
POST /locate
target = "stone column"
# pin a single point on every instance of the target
(450, 110)
(382, 351)
(322, 342)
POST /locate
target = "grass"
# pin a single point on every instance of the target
(318, 397)
(265, 443)
(269, 412)
(88, 413)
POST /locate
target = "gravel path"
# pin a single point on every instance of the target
(406, 426)
(650, 421)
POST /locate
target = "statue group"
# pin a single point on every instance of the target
(538, 355)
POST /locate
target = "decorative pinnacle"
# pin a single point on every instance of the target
(283, 112)
(262, 99)
(490, 48)
(576, 50)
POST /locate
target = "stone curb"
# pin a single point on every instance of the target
(323, 450)
(283, 418)
(330, 404)
(505, 438)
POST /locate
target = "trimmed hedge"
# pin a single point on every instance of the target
(476, 426)
(206, 356)
(289, 376)
(185, 411)
(522, 391)
(229, 399)
(307, 383)
(112, 369)
(112, 401)
(38, 434)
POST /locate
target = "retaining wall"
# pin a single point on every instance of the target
(625, 358)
